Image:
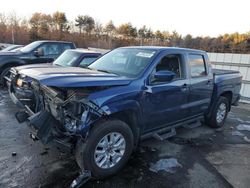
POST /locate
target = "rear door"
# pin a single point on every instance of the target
(201, 84)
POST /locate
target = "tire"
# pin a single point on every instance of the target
(3, 74)
(219, 113)
(86, 153)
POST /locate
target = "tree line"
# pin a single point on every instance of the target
(85, 31)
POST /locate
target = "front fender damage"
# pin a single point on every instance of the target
(92, 114)
(67, 121)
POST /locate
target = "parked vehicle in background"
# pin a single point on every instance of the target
(11, 48)
(19, 85)
(36, 52)
(129, 94)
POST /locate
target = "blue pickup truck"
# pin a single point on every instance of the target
(129, 94)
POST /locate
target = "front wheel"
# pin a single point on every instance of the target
(219, 113)
(107, 148)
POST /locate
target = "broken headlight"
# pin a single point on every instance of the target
(23, 82)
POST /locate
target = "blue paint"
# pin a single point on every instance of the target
(155, 105)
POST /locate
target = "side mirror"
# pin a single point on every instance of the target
(39, 52)
(164, 76)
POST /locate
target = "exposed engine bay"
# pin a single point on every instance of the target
(62, 113)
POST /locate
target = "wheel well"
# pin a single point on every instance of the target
(131, 119)
(229, 96)
(10, 64)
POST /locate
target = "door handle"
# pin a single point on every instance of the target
(208, 82)
(184, 87)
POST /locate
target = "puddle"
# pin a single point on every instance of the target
(239, 119)
(243, 127)
(237, 133)
(168, 165)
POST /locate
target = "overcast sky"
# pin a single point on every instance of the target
(197, 17)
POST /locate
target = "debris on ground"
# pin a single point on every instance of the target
(219, 129)
(141, 150)
(246, 139)
(168, 165)
(243, 127)
(84, 176)
(237, 133)
(44, 152)
(14, 154)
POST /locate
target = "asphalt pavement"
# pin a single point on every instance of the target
(199, 157)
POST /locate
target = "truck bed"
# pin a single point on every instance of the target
(228, 80)
(221, 71)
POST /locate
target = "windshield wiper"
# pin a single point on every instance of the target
(106, 71)
(57, 64)
(88, 68)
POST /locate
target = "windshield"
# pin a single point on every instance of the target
(67, 59)
(30, 47)
(124, 61)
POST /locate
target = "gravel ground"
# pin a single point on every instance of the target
(199, 157)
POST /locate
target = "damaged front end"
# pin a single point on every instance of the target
(62, 115)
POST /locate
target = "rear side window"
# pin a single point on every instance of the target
(66, 47)
(198, 66)
(87, 61)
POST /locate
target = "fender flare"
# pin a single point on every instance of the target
(10, 62)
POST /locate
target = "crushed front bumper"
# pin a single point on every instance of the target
(20, 96)
(43, 127)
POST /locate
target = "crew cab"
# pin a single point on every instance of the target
(129, 94)
(35, 52)
(19, 86)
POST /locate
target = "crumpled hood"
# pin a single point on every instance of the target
(73, 77)
(32, 66)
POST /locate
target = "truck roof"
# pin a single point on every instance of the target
(163, 48)
(82, 50)
(55, 41)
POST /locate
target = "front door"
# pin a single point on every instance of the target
(164, 101)
(50, 52)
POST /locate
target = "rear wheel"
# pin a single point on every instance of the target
(107, 148)
(219, 113)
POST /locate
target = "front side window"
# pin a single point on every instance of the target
(198, 66)
(173, 63)
(125, 61)
(51, 49)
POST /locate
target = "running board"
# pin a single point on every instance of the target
(170, 130)
(192, 125)
(165, 136)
